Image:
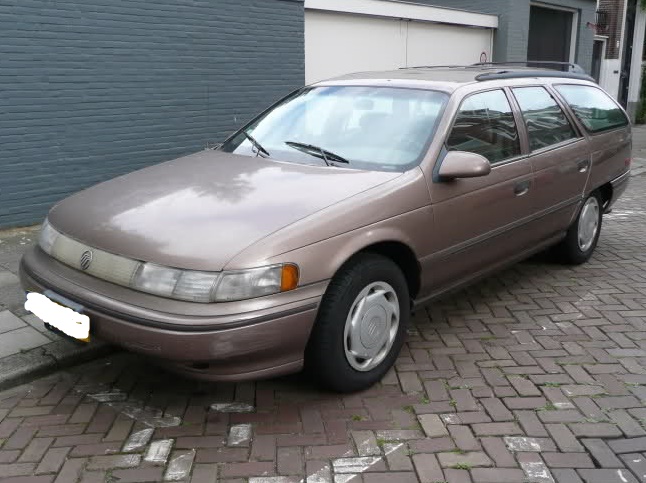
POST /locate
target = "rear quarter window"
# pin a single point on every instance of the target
(593, 107)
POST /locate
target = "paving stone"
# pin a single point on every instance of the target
(566, 475)
(602, 453)
(8, 321)
(496, 429)
(618, 402)
(631, 445)
(607, 476)
(521, 443)
(158, 452)
(568, 460)
(358, 465)
(21, 339)
(535, 468)
(472, 459)
(113, 461)
(636, 462)
(179, 466)
(496, 409)
(433, 426)
(366, 443)
(464, 438)
(497, 475)
(428, 469)
(496, 449)
(595, 430)
(530, 423)
(564, 438)
(564, 416)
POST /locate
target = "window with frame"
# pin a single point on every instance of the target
(485, 125)
(594, 108)
(546, 122)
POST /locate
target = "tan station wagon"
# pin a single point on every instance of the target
(309, 236)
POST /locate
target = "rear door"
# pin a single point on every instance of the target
(559, 156)
(608, 129)
(479, 221)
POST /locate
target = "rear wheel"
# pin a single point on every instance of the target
(582, 237)
(361, 324)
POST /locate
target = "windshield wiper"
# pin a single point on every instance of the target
(318, 152)
(256, 144)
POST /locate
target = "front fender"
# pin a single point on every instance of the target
(321, 260)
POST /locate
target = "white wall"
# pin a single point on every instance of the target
(338, 43)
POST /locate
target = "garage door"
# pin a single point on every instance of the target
(338, 43)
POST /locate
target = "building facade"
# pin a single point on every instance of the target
(619, 50)
(96, 88)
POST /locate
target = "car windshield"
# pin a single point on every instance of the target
(372, 128)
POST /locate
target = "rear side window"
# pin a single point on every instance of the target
(546, 122)
(485, 125)
(593, 107)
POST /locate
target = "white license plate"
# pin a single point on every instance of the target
(68, 321)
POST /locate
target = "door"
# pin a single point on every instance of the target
(479, 221)
(559, 155)
(338, 43)
(550, 34)
(598, 54)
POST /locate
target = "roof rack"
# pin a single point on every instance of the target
(435, 67)
(545, 64)
(516, 74)
(515, 70)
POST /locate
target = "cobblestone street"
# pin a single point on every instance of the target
(535, 375)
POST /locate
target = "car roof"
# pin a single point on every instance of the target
(450, 78)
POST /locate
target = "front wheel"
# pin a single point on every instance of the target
(361, 324)
(583, 235)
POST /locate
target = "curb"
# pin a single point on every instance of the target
(29, 365)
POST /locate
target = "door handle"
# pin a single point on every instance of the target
(583, 165)
(522, 188)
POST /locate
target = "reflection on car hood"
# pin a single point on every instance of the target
(199, 211)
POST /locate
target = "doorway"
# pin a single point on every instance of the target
(598, 54)
(552, 34)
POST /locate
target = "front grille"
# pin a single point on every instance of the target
(104, 265)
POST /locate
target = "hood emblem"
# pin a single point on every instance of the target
(86, 260)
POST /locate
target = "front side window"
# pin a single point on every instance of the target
(485, 125)
(596, 111)
(373, 128)
(546, 122)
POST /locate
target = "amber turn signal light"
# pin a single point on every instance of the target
(289, 278)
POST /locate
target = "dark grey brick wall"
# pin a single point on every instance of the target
(90, 89)
(511, 38)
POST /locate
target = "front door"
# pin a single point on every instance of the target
(478, 222)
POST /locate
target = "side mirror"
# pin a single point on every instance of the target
(461, 164)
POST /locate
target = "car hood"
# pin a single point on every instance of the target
(199, 211)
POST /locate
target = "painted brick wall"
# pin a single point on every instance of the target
(511, 38)
(90, 89)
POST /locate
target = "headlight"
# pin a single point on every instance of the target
(215, 286)
(47, 237)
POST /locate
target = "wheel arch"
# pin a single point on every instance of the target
(402, 255)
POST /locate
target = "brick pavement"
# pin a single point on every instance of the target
(537, 374)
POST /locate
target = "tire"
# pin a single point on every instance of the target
(571, 250)
(381, 284)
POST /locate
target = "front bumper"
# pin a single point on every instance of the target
(211, 341)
